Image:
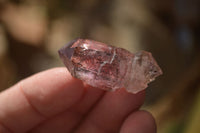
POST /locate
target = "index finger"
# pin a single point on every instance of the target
(43, 95)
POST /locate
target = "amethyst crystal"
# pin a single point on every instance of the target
(108, 67)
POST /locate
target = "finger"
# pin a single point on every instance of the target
(68, 120)
(38, 97)
(110, 112)
(139, 122)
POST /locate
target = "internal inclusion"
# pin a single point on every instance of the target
(107, 67)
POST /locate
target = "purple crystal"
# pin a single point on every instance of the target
(108, 67)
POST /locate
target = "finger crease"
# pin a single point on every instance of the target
(29, 102)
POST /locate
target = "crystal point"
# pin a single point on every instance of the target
(108, 67)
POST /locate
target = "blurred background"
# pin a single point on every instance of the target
(31, 32)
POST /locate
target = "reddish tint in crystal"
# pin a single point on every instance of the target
(108, 67)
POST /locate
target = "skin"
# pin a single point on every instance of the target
(54, 102)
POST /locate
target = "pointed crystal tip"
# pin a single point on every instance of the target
(67, 51)
(152, 69)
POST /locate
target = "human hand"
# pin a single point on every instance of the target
(54, 102)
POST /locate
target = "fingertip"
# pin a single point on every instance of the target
(150, 121)
(139, 122)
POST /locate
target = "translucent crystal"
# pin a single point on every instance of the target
(108, 67)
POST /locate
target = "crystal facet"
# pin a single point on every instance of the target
(108, 67)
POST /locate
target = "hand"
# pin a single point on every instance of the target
(54, 102)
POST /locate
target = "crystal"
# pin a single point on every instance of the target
(107, 67)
